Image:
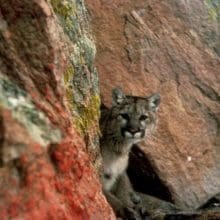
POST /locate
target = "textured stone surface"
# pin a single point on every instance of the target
(203, 17)
(148, 46)
(49, 106)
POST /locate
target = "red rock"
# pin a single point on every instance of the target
(45, 170)
(144, 47)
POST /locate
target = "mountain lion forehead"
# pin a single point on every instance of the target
(138, 102)
(134, 104)
(136, 98)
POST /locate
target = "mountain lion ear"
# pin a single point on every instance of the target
(117, 96)
(154, 101)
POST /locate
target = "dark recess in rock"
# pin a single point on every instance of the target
(144, 178)
(188, 216)
(213, 203)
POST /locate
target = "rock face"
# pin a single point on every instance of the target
(148, 46)
(49, 108)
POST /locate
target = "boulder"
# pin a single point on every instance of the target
(49, 110)
(157, 46)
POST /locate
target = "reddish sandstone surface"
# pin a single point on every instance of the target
(45, 171)
(148, 46)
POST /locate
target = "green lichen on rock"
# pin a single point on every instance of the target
(25, 112)
(66, 11)
(213, 9)
(68, 75)
(80, 77)
(63, 8)
(88, 115)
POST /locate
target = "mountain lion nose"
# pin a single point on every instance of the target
(133, 130)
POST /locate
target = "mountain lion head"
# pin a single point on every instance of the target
(134, 116)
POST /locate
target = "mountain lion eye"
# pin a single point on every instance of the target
(143, 117)
(125, 116)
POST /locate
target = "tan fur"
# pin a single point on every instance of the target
(128, 121)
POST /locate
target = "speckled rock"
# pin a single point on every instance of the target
(49, 109)
(149, 46)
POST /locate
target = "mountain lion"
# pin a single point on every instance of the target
(127, 122)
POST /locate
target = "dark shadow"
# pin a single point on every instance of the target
(144, 178)
(211, 203)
